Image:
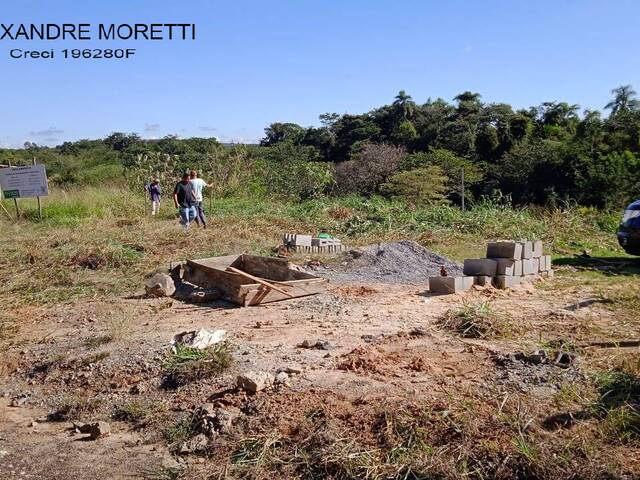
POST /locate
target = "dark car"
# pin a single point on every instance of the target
(629, 230)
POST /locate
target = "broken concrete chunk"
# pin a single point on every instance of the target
(254, 381)
(449, 285)
(198, 339)
(160, 285)
(480, 267)
(512, 250)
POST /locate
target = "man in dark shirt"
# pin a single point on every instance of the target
(185, 201)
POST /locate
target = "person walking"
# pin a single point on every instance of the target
(184, 200)
(155, 192)
(198, 185)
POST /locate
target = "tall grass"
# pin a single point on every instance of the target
(100, 240)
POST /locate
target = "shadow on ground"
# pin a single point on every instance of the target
(606, 265)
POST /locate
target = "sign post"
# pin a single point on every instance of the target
(38, 197)
(23, 182)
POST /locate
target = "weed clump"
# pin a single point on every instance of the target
(186, 364)
(619, 404)
(476, 320)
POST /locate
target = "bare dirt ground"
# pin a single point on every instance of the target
(377, 350)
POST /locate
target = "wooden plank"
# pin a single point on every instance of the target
(271, 268)
(260, 281)
(257, 296)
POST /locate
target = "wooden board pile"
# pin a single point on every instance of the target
(308, 244)
(508, 263)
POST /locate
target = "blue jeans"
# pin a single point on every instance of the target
(187, 214)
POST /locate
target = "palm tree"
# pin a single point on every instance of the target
(559, 113)
(468, 97)
(624, 100)
(468, 103)
(405, 103)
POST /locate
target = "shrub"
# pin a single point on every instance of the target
(369, 169)
(419, 187)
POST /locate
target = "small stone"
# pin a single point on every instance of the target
(282, 378)
(254, 381)
(160, 285)
(196, 444)
(19, 401)
(95, 430)
(224, 420)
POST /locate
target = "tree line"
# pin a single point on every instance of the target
(541, 155)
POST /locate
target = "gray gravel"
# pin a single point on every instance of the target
(403, 262)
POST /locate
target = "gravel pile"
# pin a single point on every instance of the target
(403, 262)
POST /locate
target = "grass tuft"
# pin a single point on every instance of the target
(476, 320)
(185, 364)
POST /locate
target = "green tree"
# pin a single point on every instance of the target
(404, 104)
(282, 132)
(419, 187)
(624, 100)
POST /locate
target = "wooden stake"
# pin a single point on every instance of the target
(15, 200)
(260, 281)
(6, 211)
(39, 204)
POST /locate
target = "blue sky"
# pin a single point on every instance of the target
(257, 62)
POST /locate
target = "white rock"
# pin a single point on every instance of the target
(199, 339)
(160, 285)
(254, 381)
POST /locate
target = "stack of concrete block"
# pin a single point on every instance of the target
(308, 244)
(508, 263)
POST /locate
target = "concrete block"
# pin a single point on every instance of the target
(537, 249)
(482, 280)
(527, 249)
(548, 274)
(547, 262)
(529, 278)
(450, 284)
(507, 266)
(528, 267)
(506, 281)
(302, 240)
(511, 250)
(480, 267)
(536, 265)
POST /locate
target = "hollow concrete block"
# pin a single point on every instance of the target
(537, 249)
(506, 281)
(511, 250)
(449, 284)
(480, 267)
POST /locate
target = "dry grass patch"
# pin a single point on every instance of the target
(477, 319)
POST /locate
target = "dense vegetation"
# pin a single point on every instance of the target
(417, 152)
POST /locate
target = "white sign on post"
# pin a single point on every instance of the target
(21, 182)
